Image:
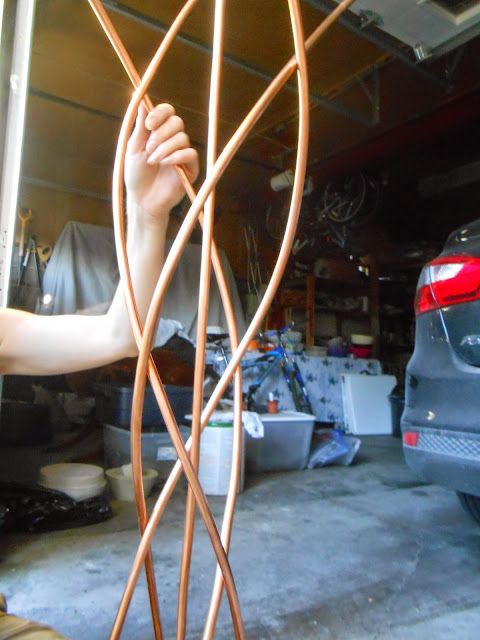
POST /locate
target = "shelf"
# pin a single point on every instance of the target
(300, 293)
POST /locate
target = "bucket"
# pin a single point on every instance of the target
(216, 446)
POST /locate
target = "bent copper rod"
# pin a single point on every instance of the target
(297, 194)
(117, 45)
(133, 313)
(161, 397)
(285, 249)
(223, 287)
(226, 529)
(186, 228)
(133, 453)
(202, 317)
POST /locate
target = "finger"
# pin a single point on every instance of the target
(139, 135)
(187, 158)
(161, 134)
(159, 115)
(178, 141)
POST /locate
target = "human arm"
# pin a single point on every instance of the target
(43, 345)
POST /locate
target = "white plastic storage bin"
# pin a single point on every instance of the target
(216, 446)
(158, 451)
(285, 445)
(366, 405)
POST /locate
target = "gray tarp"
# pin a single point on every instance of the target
(82, 274)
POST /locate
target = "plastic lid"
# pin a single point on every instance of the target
(286, 416)
(223, 425)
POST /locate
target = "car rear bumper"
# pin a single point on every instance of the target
(441, 390)
(447, 458)
(442, 405)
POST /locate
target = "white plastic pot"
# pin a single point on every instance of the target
(79, 481)
(121, 482)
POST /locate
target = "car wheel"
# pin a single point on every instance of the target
(471, 504)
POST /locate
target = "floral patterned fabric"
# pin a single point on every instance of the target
(322, 377)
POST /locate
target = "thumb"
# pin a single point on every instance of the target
(140, 134)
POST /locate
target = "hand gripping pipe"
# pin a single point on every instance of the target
(118, 195)
(223, 287)
(148, 526)
(217, 265)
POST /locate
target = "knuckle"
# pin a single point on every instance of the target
(177, 123)
(184, 139)
(159, 114)
(165, 107)
(152, 139)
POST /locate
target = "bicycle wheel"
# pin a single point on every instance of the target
(344, 198)
(300, 399)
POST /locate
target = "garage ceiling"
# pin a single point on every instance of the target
(364, 82)
(431, 26)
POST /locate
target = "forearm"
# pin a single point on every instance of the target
(43, 345)
(146, 251)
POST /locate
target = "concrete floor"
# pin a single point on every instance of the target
(350, 553)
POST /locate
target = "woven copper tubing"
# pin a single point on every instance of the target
(144, 336)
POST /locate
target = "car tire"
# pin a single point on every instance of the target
(471, 504)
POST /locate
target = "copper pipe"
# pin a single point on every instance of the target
(171, 482)
(139, 487)
(127, 63)
(160, 393)
(122, 53)
(117, 45)
(229, 508)
(297, 193)
(170, 264)
(202, 317)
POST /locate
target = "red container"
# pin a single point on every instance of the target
(364, 351)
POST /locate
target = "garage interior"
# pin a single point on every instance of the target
(357, 551)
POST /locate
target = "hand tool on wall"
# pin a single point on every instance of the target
(31, 249)
(24, 216)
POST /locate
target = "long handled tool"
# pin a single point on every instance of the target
(31, 249)
(24, 215)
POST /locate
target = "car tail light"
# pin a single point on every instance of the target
(410, 438)
(447, 281)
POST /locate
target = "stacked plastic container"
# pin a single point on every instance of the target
(113, 403)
